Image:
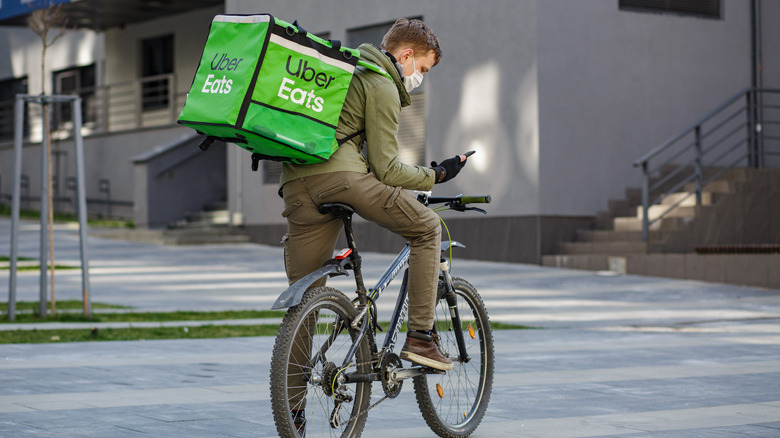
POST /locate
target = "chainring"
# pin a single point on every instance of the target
(390, 362)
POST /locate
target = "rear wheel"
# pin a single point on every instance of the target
(454, 403)
(307, 369)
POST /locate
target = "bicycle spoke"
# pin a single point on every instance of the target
(311, 347)
(456, 407)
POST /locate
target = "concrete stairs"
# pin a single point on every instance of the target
(618, 232)
(208, 227)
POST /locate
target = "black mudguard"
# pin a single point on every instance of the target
(294, 294)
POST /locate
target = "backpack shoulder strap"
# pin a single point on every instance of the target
(373, 67)
(350, 137)
(376, 69)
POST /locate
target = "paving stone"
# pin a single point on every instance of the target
(611, 356)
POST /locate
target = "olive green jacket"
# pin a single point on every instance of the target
(373, 103)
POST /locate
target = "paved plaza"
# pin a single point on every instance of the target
(610, 355)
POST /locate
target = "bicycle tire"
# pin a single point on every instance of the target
(458, 409)
(318, 313)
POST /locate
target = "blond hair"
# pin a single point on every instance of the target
(412, 33)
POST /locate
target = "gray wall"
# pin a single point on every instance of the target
(770, 16)
(614, 84)
(178, 180)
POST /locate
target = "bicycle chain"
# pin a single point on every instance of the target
(364, 411)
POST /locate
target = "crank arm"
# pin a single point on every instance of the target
(408, 373)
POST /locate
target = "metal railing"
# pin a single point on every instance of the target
(744, 130)
(145, 102)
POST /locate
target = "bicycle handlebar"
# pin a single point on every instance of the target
(463, 199)
(458, 203)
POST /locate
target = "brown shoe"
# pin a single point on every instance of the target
(423, 349)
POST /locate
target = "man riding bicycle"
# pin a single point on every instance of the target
(374, 185)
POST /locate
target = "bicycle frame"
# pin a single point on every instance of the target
(347, 350)
(349, 259)
(401, 309)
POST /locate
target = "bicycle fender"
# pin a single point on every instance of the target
(294, 294)
(447, 244)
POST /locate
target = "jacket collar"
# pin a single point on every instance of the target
(370, 53)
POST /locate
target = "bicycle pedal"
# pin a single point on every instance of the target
(429, 370)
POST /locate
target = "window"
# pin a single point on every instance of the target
(701, 8)
(9, 88)
(75, 81)
(156, 61)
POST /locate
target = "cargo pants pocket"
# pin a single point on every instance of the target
(332, 189)
(400, 209)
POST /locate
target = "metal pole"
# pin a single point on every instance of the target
(82, 202)
(756, 83)
(44, 257)
(645, 201)
(750, 129)
(698, 164)
(15, 207)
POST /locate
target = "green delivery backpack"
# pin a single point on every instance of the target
(272, 88)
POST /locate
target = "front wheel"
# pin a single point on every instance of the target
(308, 368)
(454, 403)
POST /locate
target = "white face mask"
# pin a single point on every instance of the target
(414, 80)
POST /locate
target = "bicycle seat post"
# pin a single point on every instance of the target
(346, 217)
(345, 212)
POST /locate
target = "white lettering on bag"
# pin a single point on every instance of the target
(300, 96)
(223, 85)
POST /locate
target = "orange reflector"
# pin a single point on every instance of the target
(440, 391)
(471, 332)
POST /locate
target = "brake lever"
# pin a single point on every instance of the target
(457, 206)
(477, 209)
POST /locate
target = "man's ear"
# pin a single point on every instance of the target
(405, 54)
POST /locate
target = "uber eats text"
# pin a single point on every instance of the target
(301, 70)
(308, 74)
(223, 85)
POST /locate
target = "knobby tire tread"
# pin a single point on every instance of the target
(422, 392)
(279, 360)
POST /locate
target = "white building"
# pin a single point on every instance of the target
(559, 98)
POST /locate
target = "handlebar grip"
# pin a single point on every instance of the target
(485, 199)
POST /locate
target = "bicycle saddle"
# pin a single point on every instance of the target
(337, 209)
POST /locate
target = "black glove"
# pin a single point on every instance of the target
(447, 169)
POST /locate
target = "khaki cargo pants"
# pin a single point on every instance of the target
(311, 240)
(312, 236)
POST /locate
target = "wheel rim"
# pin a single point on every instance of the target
(461, 388)
(313, 393)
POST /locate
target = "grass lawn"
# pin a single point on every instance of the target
(69, 311)
(5, 210)
(135, 334)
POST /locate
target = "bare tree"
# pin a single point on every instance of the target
(48, 21)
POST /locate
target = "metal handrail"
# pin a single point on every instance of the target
(755, 128)
(118, 106)
(660, 148)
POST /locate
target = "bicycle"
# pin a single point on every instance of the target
(325, 358)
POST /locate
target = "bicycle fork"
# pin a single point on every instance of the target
(452, 304)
